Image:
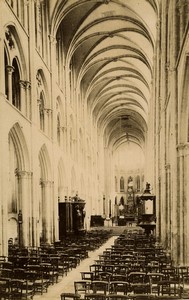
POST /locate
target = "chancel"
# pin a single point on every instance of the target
(94, 148)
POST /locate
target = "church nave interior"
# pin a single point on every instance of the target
(94, 122)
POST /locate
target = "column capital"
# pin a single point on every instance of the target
(52, 39)
(180, 147)
(183, 149)
(10, 69)
(46, 183)
(186, 149)
(28, 84)
(22, 84)
(23, 174)
(48, 110)
(63, 128)
(167, 167)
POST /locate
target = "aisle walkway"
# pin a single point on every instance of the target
(66, 283)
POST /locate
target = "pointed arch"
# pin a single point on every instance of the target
(19, 164)
(13, 40)
(16, 96)
(19, 142)
(45, 165)
(42, 86)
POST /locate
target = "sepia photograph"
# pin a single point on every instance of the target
(94, 149)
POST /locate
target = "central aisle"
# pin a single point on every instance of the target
(66, 283)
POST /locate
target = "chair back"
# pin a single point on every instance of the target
(69, 296)
(98, 286)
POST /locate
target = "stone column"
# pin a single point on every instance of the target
(186, 206)
(28, 99)
(168, 206)
(25, 205)
(180, 203)
(47, 214)
(38, 111)
(25, 15)
(181, 15)
(23, 96)
(48, 116)
(10, 70)
(2, 59)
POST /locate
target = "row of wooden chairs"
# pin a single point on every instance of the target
(162, 287)
(28, 271)
(116, 270)
(73, 296)
(16, 289)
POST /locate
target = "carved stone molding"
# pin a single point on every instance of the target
(10, 69)
(167, 167)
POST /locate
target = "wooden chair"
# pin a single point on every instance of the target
(87, 276)
(104, 276)
(6, 273)
(143, 297)
(68, 296)
(27, 290)
(119, 287)
(50, 272)
(155, 278)
(168, 297)
(138, 277)
(170, 288)
(118, 277)
(101, 287)
(140, 288)
(34, 274)
(96, 268)
(82, 287)
(108, 268)
(19, 273)
(7, 265)
(5, 288)
(95, 296)
(119, 297)
(169, 272)
(16, 288)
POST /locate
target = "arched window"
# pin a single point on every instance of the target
(13, 177)
(121, 184)
(42, 113)
(58, 58)
(16, 85)
(44, 110)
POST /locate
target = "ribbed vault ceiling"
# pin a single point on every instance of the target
(111, 45)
